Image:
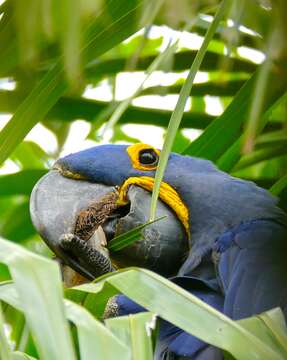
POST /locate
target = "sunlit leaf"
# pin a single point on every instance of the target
(92, 346)
(30, 155)
(17, 355)
(52, 86)
(87, 327)
(34, 278)
(261, 155)
(184, 310)
(72, 108)
(279, 186)
(226, 129)
(18, 225)
(5, 351)
(20, 183)
(136, 332)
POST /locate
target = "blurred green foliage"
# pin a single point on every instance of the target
(53, 50)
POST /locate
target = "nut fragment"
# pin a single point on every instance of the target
(94, 215)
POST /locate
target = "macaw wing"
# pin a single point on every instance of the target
(252, 272)
(252, 268)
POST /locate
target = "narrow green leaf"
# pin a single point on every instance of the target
(176, 116)
(135, 331)
(188, 312)
(18, 333)
(260, 155)
(180, 142)
(120, 135)
(8, 294)
(163, 57)
(95, 340)
(20, 183)
(18, 226)
(100, 118)
(4, 273)
(27, 21)
(279, 186)
(213, 88)
(223, 132)
(47, 23)
(34, 278)
(150, 11)
(181, 62)
(233, 32)
(232, 155)
(16, 322)
(17, 355)
(52, 86)
(258, 95)
(96, 305)
(71, 108)
(122, 107)
(30, 155)
(123, 240)
(274, 320)
(3, 7)
(271, 138)
(93, 335)
(251, 40)
(5, 351)
(270, 327)
(32, 110)
(8, 42)
(70, 35)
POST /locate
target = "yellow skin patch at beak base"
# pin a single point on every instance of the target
(167, 194)
(67, 173)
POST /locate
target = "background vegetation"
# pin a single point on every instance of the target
(51, 52)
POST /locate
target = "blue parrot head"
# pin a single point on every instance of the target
(205, 199)
(108, 164)
(122, 166)
(105, 191)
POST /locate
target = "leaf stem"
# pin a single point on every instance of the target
(179, 108)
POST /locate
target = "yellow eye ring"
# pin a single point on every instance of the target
(136, 150)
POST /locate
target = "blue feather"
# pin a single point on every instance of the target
(252, 268)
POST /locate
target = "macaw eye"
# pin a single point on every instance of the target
(148, 157)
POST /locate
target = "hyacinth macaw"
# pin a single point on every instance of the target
(236, 236)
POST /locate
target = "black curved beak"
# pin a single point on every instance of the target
(55, 204)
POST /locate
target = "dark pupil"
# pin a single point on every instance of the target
(148, 157)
